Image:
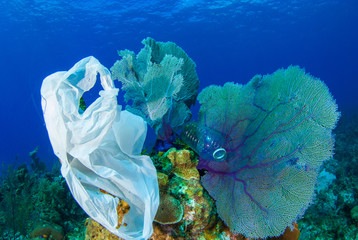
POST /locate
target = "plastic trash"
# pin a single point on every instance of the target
(99, 150)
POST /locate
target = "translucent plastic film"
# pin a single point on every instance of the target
(99, 150)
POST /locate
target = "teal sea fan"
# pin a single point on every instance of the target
(160, 81)
(279, 132)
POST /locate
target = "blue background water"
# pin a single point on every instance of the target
(228, 40)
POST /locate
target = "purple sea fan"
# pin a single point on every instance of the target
(280, 131)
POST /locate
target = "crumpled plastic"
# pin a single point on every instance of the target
(99, 150)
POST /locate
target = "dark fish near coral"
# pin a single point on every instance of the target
(208, 143)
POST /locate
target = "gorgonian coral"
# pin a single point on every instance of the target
(279, 131)
(161, 82)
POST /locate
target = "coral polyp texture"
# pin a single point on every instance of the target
(280, 131)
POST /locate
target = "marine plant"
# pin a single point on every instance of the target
(160, 84)
(279, 131)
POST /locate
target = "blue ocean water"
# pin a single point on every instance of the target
(228, 40)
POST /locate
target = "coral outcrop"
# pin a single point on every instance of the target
(188, 210)
(95, 231)
(48, 231)
(170, 210)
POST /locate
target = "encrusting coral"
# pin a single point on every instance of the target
(122, 209)
(95, 231)
(183, 166)
(200, 220)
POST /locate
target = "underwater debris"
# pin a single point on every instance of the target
(267, 141)
(197, 214)
(206, 142)
(100, 149)
(280, 126)
(199, 219)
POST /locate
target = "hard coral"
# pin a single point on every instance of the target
(48, 229)
(170, 210)
(96, 231)
(199, 220)
(186, 210)
(184, 166)
(162, 180)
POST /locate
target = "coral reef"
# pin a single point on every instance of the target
(194, 213)
(279, 128)
(259, 149)
(200, 220)
(95, 231)
(16, 200)
(37, 204)
(354, 213)
(181, 166)
(332, 214)
(184, 184)
(161, 83)
(194, 218)
(275, 147)
(170, 210)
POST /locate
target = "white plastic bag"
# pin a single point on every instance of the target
(100, 149)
